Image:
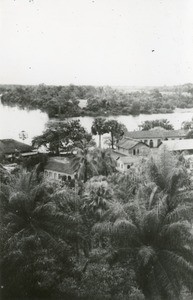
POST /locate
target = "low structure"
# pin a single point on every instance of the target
(178, 146)
(10, 149)
(59, 168)
(154, 137)
(124, 163)
(131, 147)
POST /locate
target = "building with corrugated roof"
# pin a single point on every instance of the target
(10, 149)
(178, 145)
(59, 168)
(131, 147)
(154, 137)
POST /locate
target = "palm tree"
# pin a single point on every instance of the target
(105, 163)
(154, 232)
(168, 173)
(84, 163)
(97, 196)
(98, 127)
(37, 222)
(116, 131)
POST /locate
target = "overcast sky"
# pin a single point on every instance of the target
(97, 42)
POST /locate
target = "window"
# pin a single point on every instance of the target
(145, 141)
(69, 177)
(138, 151)
(151, 143)
(128, 166)
(64, 178)
(134, 152)
(46, 173)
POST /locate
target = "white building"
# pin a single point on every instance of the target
(59, 168)
(178, 145)
(154, 137)
(131, 147)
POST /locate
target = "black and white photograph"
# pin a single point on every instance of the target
(96, 150)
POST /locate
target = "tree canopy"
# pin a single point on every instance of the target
(61, 136)
(164, 123)
(63, 101)
(122, 236)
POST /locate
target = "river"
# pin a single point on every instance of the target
(14, 120)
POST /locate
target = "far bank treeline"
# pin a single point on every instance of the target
(64, 101)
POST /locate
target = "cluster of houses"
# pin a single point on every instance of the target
(136, 145)
(131, 149)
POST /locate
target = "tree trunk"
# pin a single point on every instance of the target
(112, 142)
(59, 111)
(100, 141)
(85, 173)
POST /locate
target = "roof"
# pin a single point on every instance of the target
(60, 164)
(9, 146)
(179, 145)
(124, 158)
(156, 133)
(127, 159)
(127, 143)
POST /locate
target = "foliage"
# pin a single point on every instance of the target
(106, 164)
(164, 123)
(97, 195)
(99, 127)
(33, 253)
(61, 136)
(189, 135)
(124, 236)
(154, 232)
(187, 124)
(63, 101)
(116, 129)
(83, 163)
(168, 173)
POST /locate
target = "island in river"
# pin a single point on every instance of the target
(66, 101)
(14, 120)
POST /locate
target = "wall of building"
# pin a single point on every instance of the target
(57, 175)
(154, 143)
(123, 167)
(138, 150)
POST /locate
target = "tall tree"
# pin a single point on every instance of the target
(83, 163)
(116, 131)
(35, 237)
(99, 127)
(61, 135)
(106, 164)
(154, 232)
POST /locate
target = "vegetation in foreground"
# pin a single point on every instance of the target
(120, 236)
(63, 101)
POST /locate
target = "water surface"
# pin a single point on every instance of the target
(13, 120)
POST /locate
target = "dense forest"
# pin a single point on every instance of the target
(110, 236)
(62, 101)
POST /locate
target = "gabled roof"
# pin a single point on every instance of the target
(9, 146)
(128, 143)
(179, 145)
(127, 159)
(60, 164)
(156, 133)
